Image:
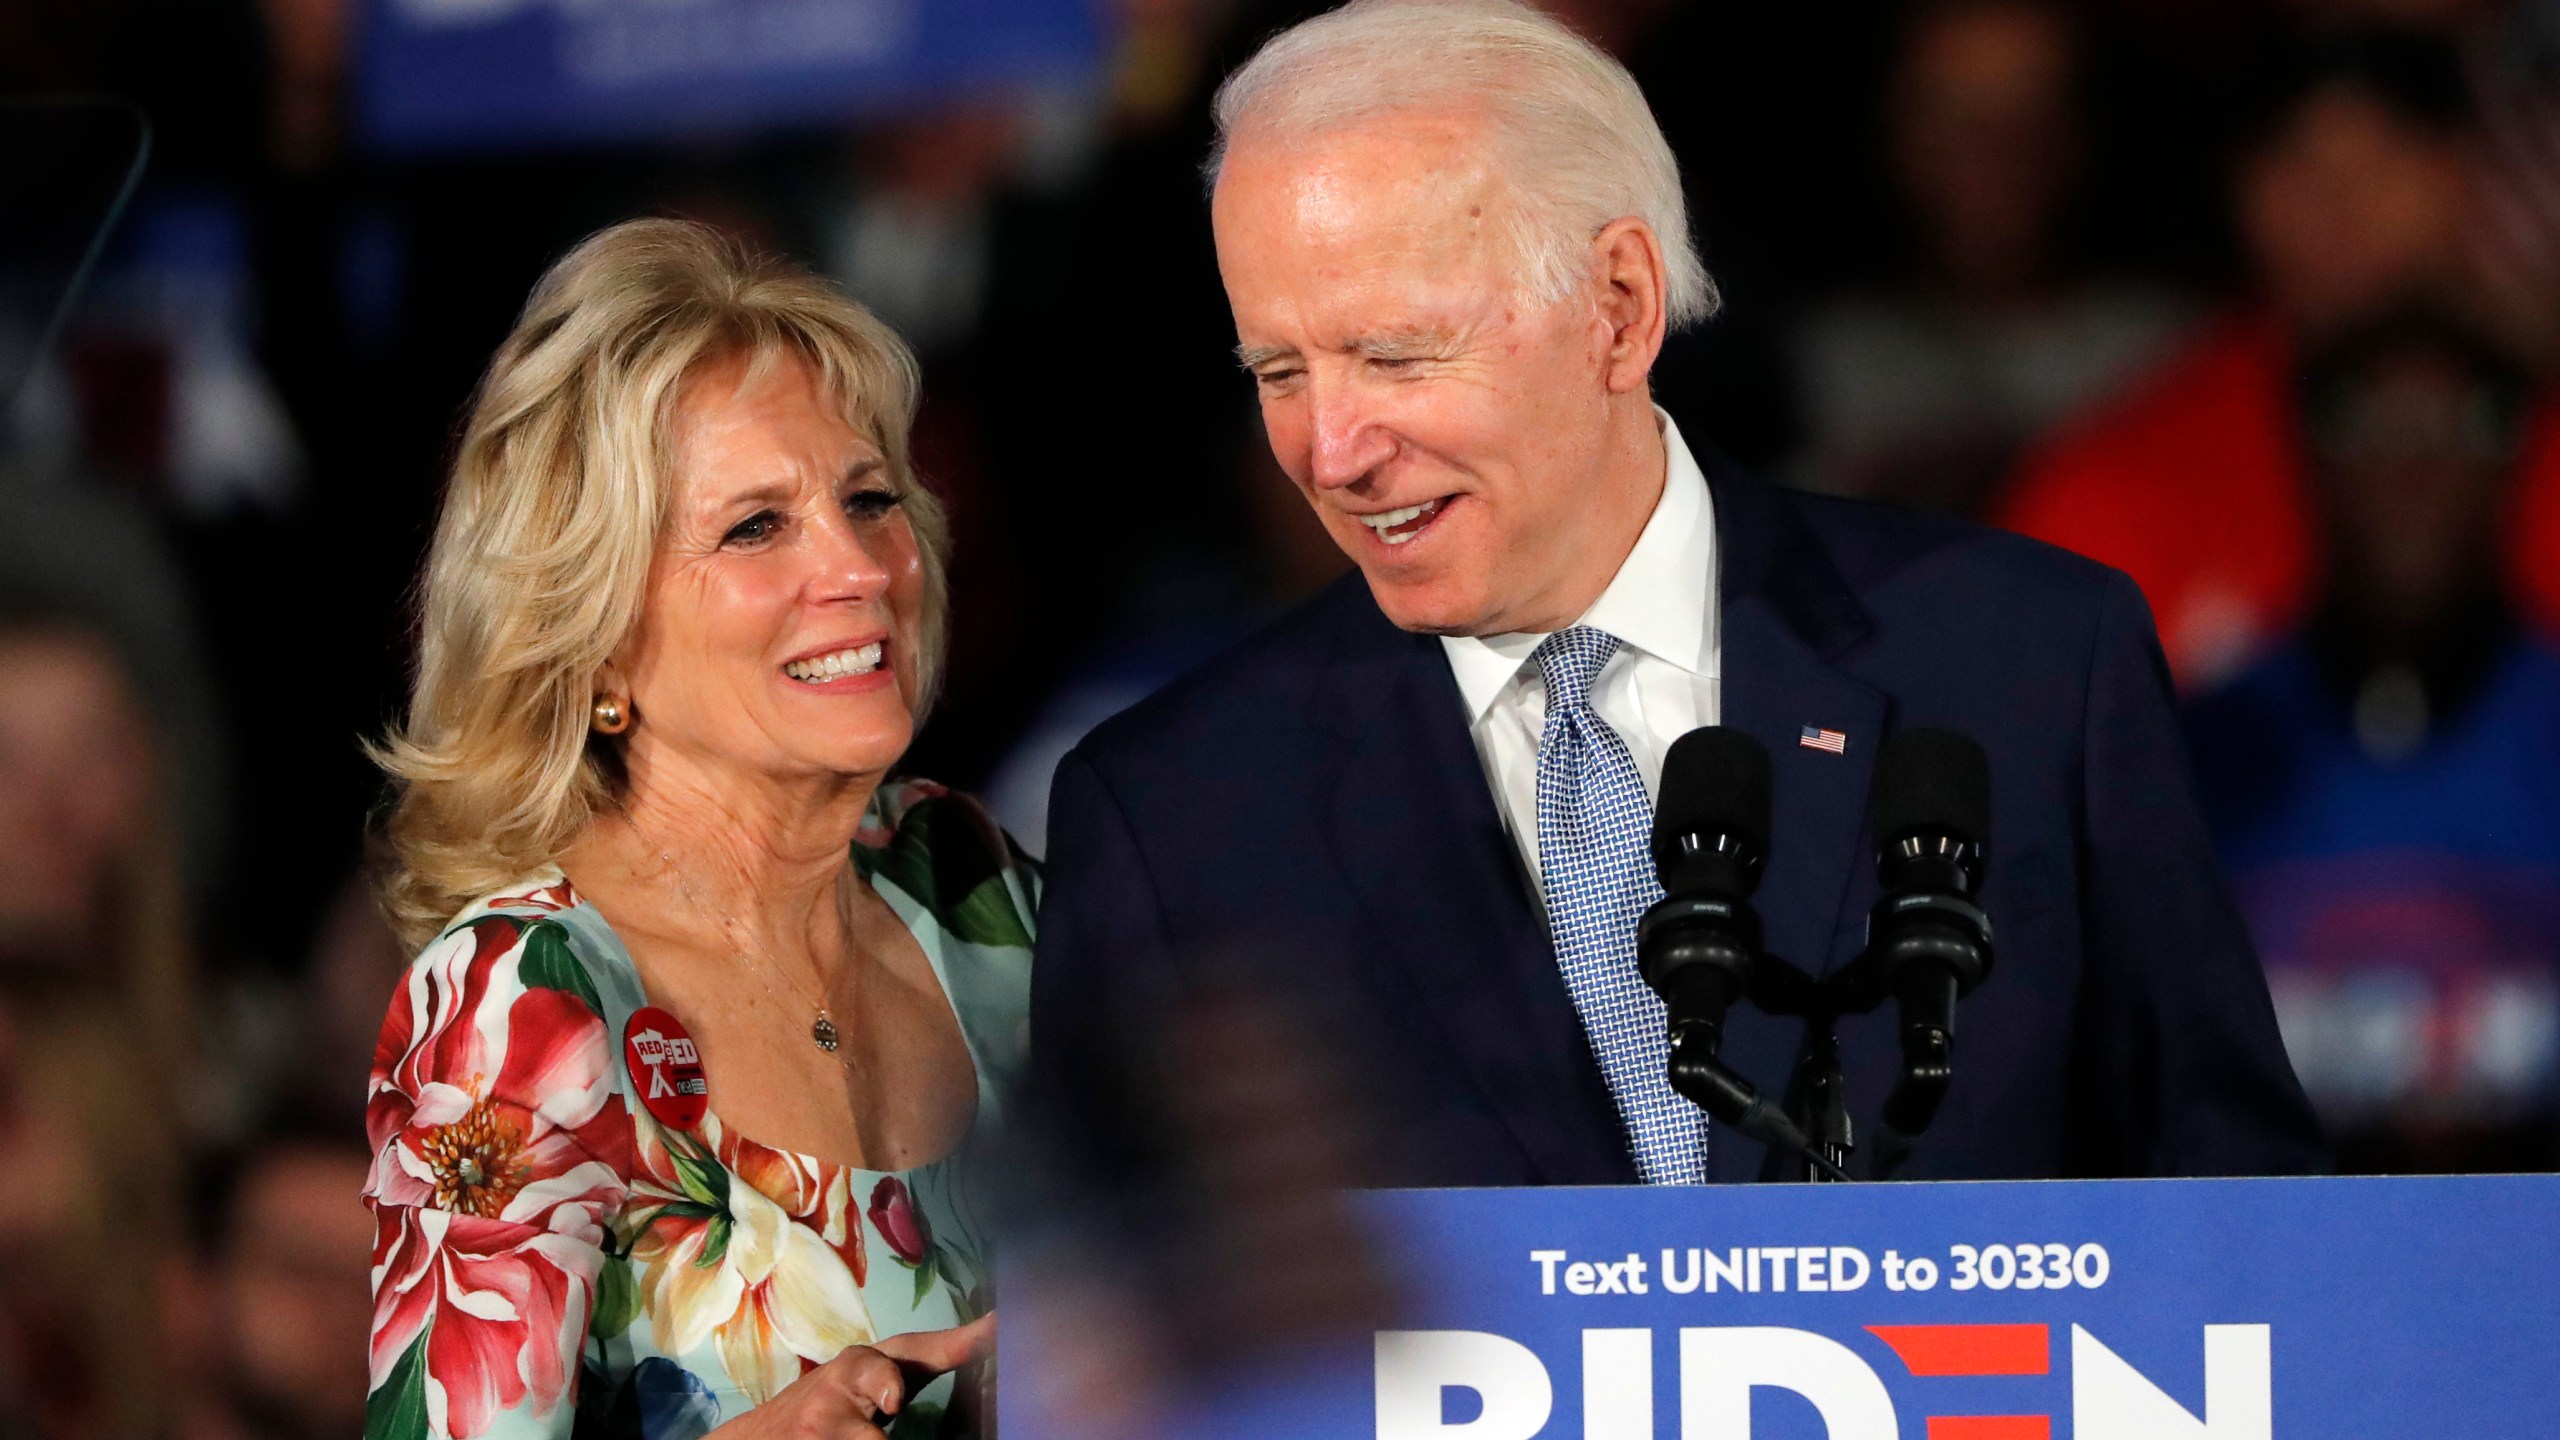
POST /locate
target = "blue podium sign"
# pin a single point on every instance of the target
(447, 73)
(2116, 1310)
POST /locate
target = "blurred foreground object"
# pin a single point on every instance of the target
(1225, 1243)
(2382, 785)
(2355, 200)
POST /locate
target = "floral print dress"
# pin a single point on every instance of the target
(550, 1259)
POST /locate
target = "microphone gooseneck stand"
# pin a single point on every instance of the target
(1928, 943)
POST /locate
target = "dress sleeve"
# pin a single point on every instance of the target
(502, 1148)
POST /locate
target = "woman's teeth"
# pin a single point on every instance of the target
(860, 660)
(1388, 524)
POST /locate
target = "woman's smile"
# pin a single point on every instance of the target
(842, 669)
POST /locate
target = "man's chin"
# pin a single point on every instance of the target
(1427, 606)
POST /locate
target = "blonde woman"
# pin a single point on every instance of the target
(675, 1109)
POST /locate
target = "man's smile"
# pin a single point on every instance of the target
(1399, 527)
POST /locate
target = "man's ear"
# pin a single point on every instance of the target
(1634, 286)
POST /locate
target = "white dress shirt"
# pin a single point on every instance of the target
(1660, 685)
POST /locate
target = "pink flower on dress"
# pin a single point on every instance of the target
(893, 1214)
(492, 1302)
(500, 1143)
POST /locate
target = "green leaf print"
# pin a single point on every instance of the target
(986, 916)
(617, 1298)
(716, 1247)
(549, 963)
(904, 863)
(398, 1410)
(925, 1273)
(703, 1180)
(950, 856)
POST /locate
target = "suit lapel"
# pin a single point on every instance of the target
(1785, 614)
(1413, 824)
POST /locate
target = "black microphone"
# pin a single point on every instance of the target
(1699, 946)
(1931, 945)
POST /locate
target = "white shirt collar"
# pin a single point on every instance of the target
(1662, 600)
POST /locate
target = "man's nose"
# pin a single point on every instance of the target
(1347, 440)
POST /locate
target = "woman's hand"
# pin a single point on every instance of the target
(969, 1349)
(853, 1396)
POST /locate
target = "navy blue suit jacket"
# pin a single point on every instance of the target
(1308, 812)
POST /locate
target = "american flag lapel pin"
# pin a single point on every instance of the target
(1835, 741)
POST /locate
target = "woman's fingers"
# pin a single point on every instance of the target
(928, 1353)
(851, 1396)
(870, 1379)
(848, 1398)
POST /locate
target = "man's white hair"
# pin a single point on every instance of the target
(1580, 147)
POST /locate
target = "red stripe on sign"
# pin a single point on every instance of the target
(1990, 1427)
(1969, 1349)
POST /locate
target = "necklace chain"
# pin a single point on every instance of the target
(822, 1027)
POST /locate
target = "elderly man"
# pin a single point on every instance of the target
(1453, 239)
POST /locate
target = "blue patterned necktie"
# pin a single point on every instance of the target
(1596, 867)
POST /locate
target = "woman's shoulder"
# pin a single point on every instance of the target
(541, 895)
(946, 851)
(538, 928)
(520, 966)
(971, 897)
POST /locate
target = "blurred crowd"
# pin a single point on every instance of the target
(2258, 300)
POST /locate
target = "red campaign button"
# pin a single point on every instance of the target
(665, 1067)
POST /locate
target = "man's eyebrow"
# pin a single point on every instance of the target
(1402, 344)
(1384, 345)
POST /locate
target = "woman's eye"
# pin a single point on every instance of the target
(754, 529)
(870, 504)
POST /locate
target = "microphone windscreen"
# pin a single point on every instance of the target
(1714, 781)
(1932, 780)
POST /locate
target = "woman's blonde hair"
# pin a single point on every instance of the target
(552, 517)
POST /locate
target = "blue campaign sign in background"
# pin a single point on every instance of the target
(2222, 1310)
(446, 73)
